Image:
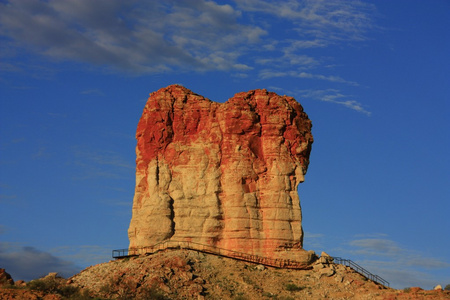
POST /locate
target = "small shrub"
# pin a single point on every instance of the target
(121, 288)
(10, 286)
(57, 285)
(47, 285)
(447, 287)
(68, 291)
(151, 293)
(291, 287)
(83, 295)
(407, 290)
(247, 280)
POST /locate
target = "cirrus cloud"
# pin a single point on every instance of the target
(138, 37)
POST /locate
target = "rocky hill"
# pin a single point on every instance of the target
(187, 274)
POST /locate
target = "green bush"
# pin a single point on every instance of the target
(447, 287)
(68, 291)
(57, 285)
(46, 285)
(291, 287)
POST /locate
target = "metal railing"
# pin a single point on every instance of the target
(360, 270)
(120, 253)
(273, 262)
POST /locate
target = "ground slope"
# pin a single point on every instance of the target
(186, 274)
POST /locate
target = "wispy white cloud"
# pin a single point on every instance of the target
(158, 36)
(103, 158)
(371, 235)
(328, 95)
(9, 199)
(95, 92)
(335, 96)
(310, 235)
(326, 20)
(400, 277)
(100, 164)
(396, 263)
(165, 36)
(295, 45)
(313, 241)
(287, 61)
(390, 249)
(265, 74)
(382, 247)
(40, 153)
(133, 36)
(117, 202)
(85, 255)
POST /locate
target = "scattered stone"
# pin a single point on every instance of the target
(52, 275)
(339, 278)
(327, 271)
(325, 258)
(318, 266)
(20, 283)
(415, 289)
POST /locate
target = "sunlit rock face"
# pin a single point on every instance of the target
(221, 174)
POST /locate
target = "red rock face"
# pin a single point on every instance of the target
(221, 174)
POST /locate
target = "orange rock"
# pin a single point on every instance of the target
(221, 174)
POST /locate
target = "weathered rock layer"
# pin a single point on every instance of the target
(221, 174)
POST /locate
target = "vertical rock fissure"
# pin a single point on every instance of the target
(172, 218)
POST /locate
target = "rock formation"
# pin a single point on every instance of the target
(5, 278)
(221, 174)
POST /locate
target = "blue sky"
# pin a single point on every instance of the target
(372, 76)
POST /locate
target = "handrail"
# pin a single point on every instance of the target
(360, 270)
(171, 244)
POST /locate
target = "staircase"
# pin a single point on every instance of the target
(360, 270)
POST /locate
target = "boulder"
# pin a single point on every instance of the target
(5, 278)
(325, 258)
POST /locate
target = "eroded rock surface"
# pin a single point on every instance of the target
(221, 174)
